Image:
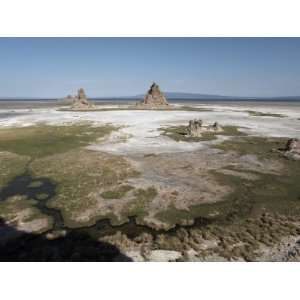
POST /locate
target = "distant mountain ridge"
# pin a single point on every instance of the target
(181, 95)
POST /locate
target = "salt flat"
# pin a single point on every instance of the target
(140, 129)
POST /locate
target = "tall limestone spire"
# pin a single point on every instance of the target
(154, 97)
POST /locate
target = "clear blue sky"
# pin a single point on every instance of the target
(55, 67)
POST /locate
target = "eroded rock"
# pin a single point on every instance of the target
(81, 102)
(154, 98)
(196, 128)
(293, 145)
(292, 149)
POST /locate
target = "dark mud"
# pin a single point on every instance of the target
(34, 188)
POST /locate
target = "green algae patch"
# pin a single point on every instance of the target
(117, 193)
(43, 140)
(142, 199)
(257, 213)
(20, 146)
(274, 192)
(173, 216)
(80, 175)
(11, 165)
(32, 150)
(254, 113)
(56, 153)
(180, 133)
(138, 207)
(190, 108)
(260, 146)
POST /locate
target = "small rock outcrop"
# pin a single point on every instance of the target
(292, 148)
(154, 98)
(293, 145)
(81, 102)
(216, 127)
(196, 128)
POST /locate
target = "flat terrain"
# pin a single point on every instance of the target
(126, 184)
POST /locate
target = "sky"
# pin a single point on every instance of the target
(107, 67)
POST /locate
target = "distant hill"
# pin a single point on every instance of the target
(290, 98)
(198, 96)
(175, 95)
(180, 95)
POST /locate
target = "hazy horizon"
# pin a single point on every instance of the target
(174, 96)
(125, 67)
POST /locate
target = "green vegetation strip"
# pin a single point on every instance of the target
(56, 153)
(261, 114)
(260, 146)
(42, 140)
(117, 193)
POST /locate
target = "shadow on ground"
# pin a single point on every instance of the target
(16, 245)
(23, 185)
(75, 246)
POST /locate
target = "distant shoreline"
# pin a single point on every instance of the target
(174, 100)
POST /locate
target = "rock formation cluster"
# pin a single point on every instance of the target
(196, 128)
(154, 98)
(292, 148)
(81, 102)
(293, 145)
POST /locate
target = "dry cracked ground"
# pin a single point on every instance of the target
(226, 197)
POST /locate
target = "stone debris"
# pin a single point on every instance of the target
(196, 128)
(154, 98)
(287, 250)
(55, 234)
(135, 255)
(164, 255)
(292, 149)
(293, 145)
